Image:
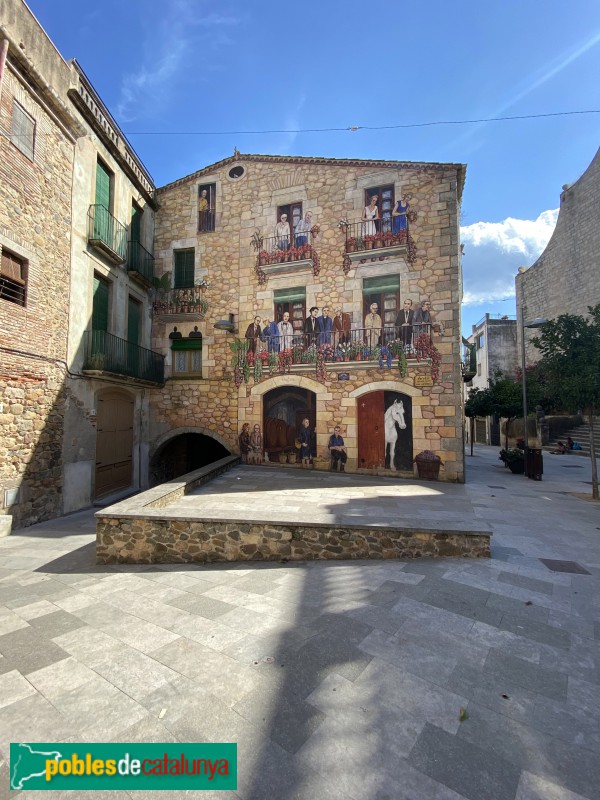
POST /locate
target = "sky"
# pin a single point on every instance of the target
(172, 71)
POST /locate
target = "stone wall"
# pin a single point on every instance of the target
(331, 190)
(564, 279)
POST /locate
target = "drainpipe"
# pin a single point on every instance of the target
(3, 52)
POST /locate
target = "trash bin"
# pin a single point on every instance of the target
(535, 463)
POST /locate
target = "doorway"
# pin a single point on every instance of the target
(284, 409)
(377, 410)
(114, 443)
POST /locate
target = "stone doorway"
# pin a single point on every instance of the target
(284, 408)
(373, 453)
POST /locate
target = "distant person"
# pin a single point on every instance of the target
(560, 449)
(305, 437)
(573, 445)
(337, 450)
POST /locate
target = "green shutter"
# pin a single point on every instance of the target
(184, 269)
(102, 186)
(133, 321)
(387, 283)
(186, 344)
(136, 223)
(100, 305)
(289, 295)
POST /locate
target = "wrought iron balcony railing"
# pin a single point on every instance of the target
(174, 302)
(377, 234)
(206, 221)
(107, 353)
(107, 234)
(140, 261)
(281, 249)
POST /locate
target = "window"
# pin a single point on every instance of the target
(480, 342)
(235, 173)
(385, 291)
(206, 207)
(104, 181)
(13, 278)
(184, 269)
(293, 301)
(187, 357)
(23, 131)
(100, 304)
(479, 369)
(293, 212)
(385, 205)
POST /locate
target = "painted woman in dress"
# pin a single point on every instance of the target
(399, 215)
(369, 215)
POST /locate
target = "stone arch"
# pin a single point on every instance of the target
(182, 450)
(164, 438)
(299, 381)
(389, 386)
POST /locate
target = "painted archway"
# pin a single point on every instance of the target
(284, 409)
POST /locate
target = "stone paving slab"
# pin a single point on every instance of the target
(339, 680)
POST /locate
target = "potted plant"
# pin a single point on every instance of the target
(369, 240)
(378, 240)
(514, 459)
(257, 240)
(428, 465)
(388, 238)
(263, 257)
(350, 244)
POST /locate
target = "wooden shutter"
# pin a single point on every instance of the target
(102, 185)
(12, 267)
(133, 321)
(184, 269)
(136, 223)
(100, 305)
(23, 130)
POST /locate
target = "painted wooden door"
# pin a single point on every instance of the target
(114, 443)
(371, 439)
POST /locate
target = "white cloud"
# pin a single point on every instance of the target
(493, 251)
(172, 45)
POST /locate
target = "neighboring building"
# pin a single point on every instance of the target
(278, 235)
(564, 279)
(495, 340)
(76, 232)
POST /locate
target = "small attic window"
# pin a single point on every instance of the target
(235, 173)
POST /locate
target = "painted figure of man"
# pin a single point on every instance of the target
(286, 332)
(255, 454)
(422, 320)
(282, 233)
(342, 325)
(270, 335)
(325, 324)
(302, 230)
(253, 334)
(373, 326)
(311, 327)
(337, 450)
(404, 324)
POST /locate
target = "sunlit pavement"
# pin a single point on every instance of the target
(436, 679)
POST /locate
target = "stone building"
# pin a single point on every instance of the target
(76, 233)
(278, 235)
(564, 279)
(495, 340)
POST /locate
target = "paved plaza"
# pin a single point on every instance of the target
(381, 680)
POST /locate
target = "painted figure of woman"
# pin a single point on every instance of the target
(255, 456)
(399, 222)
(369, 215)
(305, 436)
(245, 442)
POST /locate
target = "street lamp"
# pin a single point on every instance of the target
(539, 322)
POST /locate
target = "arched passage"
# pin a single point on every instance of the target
(183, 453)
(284, 408)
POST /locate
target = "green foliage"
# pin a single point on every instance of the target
(479, 403)
(512, 455)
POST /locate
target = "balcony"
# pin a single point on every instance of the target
(113, 356)
(107, 234)
(279, 255)
(140, 263)
(379, 239)
(180, 305)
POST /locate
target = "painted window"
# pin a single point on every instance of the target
(293, 212)
(13, 278)
(187, 357)
(206, 207)
(293, 301)
(385, 205)
(385, 291)
(23, 130)
(184, 268)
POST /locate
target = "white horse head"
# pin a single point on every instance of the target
(396, 413)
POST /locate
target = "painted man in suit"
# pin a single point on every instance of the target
(253, 332)
(404, 324)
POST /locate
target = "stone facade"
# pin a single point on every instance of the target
(564, 279)
(35, 228)
(332, 190)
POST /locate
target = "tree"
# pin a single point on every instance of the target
(507, 400)
(570, 348)
(479, 404)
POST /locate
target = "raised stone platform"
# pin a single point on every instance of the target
(230, 512)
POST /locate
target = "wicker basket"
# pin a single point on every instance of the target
(428, 465)
(321, 463)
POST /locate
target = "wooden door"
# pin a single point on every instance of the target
(114, 443)
(371, 438)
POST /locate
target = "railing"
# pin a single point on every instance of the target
(181, 301)
(12, 290)
(106, 231)
(206, 221)
(377, 234)
(279, 249)
(108, 353)
(140, 260)
(359, 344)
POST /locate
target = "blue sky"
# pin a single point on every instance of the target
(169, 66)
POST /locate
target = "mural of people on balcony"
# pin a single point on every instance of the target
(373, 326)
(302, 229)
(286, 332)
(422, 320)
(311, 327)
(342, 326)
(369, 215)
(282, 233)
(325, 324)
(404, 324)
(253, 335)
(399, 218)
(270, 335)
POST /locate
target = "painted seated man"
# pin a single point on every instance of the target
(337, 450)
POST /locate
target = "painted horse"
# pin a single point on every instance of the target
(394, 414)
